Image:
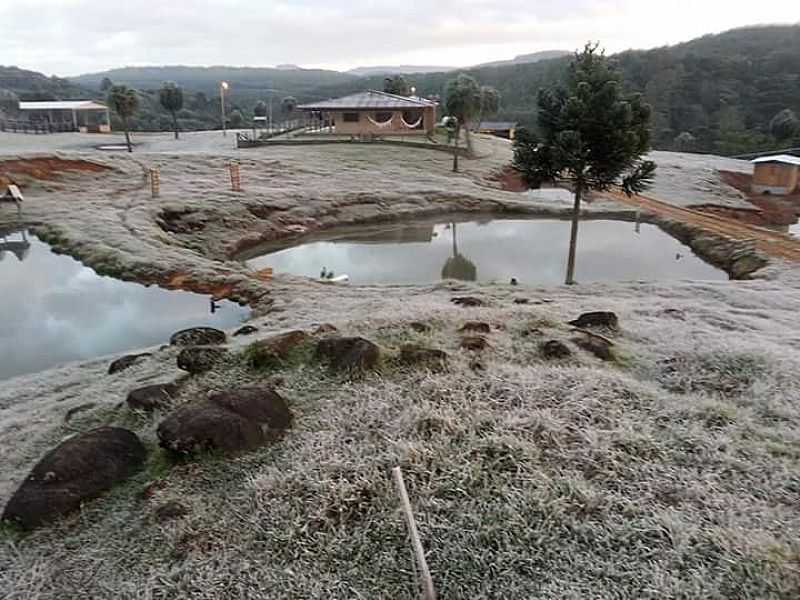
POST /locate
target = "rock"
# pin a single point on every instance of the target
(151, 397)
(476, 326)
(474, 343)
(198, 336)
(199, 359)
(420, 327)
(596, 344)
(170, 510)
(349, 353)
(230, 421)
(265, 353)
(245, 330)
(521, 301)
(325, 328)
(604, 319)
(77, 470)
(535, 331)
(555, 349)
(467, 301)
(432, 358)
(126, 362)
(257, 403)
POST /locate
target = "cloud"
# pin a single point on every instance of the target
(68, 37)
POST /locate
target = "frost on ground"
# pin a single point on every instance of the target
(672, 471)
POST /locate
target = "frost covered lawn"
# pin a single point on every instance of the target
(671, 471)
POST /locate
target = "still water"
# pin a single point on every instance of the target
(533, 251)
(54, 310)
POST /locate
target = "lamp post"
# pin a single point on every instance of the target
(222, 87)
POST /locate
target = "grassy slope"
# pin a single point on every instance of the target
(672, 472)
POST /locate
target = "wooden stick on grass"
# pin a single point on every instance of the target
(428, 593)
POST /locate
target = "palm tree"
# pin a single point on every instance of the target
(458, 266)
(463, 103)
(171, 98)
(124, 101)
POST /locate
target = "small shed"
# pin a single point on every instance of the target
(778, 174)
(86, 116)
(503, 129)
(374, 113)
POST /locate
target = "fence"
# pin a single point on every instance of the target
(34, 127)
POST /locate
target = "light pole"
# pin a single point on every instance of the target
(222, 87)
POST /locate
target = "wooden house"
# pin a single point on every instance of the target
(778, 174)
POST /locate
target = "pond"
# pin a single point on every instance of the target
(56, 310)
(534, 251)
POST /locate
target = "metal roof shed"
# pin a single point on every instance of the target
(778, 174)
(55, 110)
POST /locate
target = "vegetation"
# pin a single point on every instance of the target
(171, 98)
(592, 135)
(236, 119)
(124, 102)
(396, 84)
(463, 103)
(288, 105)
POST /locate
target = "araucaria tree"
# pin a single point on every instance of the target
(591, 135)
(396, 85)
(124, 101)
(462, 104)
(171, 98)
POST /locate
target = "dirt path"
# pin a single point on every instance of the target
(773, 243)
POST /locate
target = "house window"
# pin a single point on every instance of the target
(383, 117)
(351, 117)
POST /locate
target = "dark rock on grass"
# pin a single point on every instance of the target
(420, 327)
(531, 331)
(152, 397)
(200, 359)
(198, 336)
(476, 326)
(349, 353)
(245, 330)
(474, 343)
(258, 403)
(77, 470)
(126, 362)
(265, 353)
(170, 510)
(325, 328)
(521, 301)
(431, 358)
(230, 421)
(555, 349)
(467, 301)
(596, 344)
(601, 319)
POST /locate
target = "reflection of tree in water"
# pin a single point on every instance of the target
(458, 266)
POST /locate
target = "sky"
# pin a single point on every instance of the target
(70, 37)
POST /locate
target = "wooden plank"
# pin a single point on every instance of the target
(14, 194)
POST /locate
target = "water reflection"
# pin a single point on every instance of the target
(19, 248)
(55, 310)
(533, 251)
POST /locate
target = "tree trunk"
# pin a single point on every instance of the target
(127, 135)
(573, 238)
(175, 123)
(455, 242)
(455, 149)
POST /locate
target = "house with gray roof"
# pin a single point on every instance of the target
(373, 114)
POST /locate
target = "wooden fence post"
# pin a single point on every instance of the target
(236, 177)
(155, 182)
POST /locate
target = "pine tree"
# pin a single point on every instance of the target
(592, 135)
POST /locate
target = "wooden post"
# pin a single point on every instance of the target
(236, 177)
(428, 592)
(155, 182)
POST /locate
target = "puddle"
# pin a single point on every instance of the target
(53, 309)
(533, 250)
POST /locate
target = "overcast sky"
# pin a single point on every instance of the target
(69, 37)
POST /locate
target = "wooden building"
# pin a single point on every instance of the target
(779, 174)
(503, 129)
(372, 114)
(86, 116)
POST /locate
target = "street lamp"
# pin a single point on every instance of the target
(222, 87)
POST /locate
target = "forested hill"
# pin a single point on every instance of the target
(30, 85)
(717, 93)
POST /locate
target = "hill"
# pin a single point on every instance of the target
(30, 85)
(527, 58)
(397, 70)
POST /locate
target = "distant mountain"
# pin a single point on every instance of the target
(397, 70)
(288, 67)
(527, 58)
